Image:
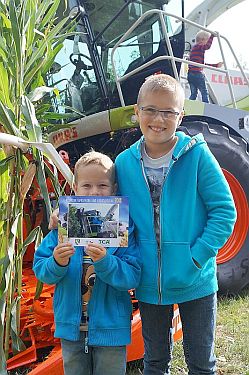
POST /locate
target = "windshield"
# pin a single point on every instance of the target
(112, 19)
(146, 39)
(84, 62)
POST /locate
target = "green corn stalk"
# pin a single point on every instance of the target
(30, 39)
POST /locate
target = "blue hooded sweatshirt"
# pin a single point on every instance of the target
(197, 215)
(109, 309)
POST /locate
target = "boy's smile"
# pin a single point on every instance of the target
(159, 114)
(156, 129)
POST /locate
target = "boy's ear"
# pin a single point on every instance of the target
(180, 118)
(136, 110)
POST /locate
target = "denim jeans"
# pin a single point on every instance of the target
(198, 324)
(100, 360)
(197, 81)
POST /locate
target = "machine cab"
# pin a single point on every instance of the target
(84, 70)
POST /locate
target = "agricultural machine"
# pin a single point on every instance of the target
(92, 224)
(116, 45)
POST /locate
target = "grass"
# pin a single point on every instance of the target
(232, 340)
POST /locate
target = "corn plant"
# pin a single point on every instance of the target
(30, 38)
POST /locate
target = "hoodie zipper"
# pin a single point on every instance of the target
(146, 181)
(158, 247)
(174, 159)
(79, 285)
(160, 238)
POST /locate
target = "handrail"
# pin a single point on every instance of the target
(171, 57)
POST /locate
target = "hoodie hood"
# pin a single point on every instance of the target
(183, 145)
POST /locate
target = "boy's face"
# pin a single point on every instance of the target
(159, 129)
(202, 41)
(94, 179)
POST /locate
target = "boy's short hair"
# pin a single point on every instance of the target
(163, 82)
(94, 157)
(202, 34)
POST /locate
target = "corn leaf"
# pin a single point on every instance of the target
(4, 176)
(39, 92)
(54, 180)
(43, 7)
(42, 183)
(16, 32)
(4, 86)
(33, 235)
(49, 16)
(17, 344)
(32, 126)
(3, 366)
(7, 22)
(7, 119)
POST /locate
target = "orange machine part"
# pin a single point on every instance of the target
(53, 365)
(37, 328)
(24, 358)
(237, 239)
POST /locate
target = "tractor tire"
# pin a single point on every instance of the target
(232, 154)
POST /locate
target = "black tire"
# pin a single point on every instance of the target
(232, 155)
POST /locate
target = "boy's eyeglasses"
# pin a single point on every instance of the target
(153, 112)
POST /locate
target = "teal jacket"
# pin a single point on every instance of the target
(197, 215)
(109, 309)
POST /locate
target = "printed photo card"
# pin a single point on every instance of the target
(98, 219)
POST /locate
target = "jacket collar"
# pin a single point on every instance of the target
(183, 145)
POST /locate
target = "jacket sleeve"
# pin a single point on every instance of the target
(208, 44)
(44, 266)
(221, 213)
(121, 270)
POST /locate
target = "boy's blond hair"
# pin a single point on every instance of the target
(163, 82)
(202, 35)
(94, 157)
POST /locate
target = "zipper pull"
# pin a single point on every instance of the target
(86, 343)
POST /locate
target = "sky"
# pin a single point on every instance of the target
(233, 24)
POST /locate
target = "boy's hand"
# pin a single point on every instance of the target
(196, 263)
(53, 220)
(63, 252)
(95, 251)
(219, 65)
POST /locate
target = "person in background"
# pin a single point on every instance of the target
(196, 77)
(183, 212)
(92, 306)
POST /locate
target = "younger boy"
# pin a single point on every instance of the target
(95, 345)
(183, 213)
(196, 77)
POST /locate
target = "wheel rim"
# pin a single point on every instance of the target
(236, 240)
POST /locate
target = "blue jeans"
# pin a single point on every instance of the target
(197, 81)
(100, 360)
(198, 324)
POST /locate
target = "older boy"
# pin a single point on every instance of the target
(196, 77)
(96, 345)
(183, 212)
